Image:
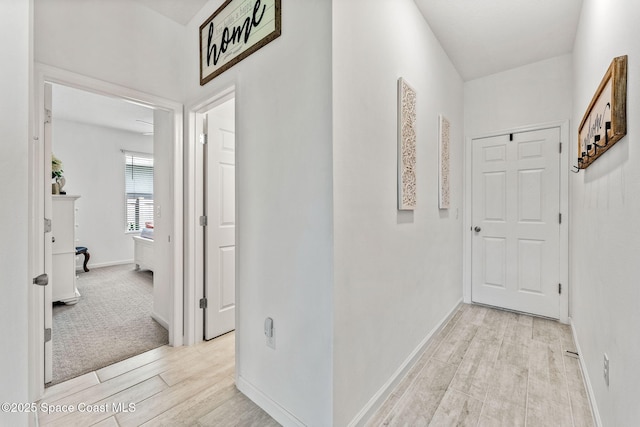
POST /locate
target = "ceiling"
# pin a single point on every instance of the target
(86, 107)
(486, 37)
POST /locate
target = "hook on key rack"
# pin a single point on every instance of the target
(577, 169)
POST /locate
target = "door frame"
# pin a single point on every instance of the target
(564, 313)
(194, 238)
(45, 73)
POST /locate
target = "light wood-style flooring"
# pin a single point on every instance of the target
(490, 367)
(167, 386)
(486, 367)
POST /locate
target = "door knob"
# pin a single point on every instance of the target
(41, 280)
(477, 229)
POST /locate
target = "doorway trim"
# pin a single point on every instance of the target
(48, 74)
(564, 209)
(194, 239)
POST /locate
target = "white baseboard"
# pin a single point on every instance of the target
(383, 393)
(155, 316)
(102, 264)
(586, 378)
(271, 407)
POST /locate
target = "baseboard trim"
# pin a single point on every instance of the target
(155, 316)
(271, 407)
(103, 264)
(586, 378)
(383, 393)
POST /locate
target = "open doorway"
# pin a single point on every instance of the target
(104, 210)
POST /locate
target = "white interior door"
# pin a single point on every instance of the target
(219, 203)
(516, 222)
(48, 235)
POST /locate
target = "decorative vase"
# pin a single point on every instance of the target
(55, 188)
(61, 182)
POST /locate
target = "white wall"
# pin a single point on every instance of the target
(93, 166)
(605, 201)
(397, 274)
(284, 207)
(118, 41)
(533, 94)
(15, 28)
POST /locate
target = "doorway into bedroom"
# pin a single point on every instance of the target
(110, 172)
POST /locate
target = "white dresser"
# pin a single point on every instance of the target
(63, 280)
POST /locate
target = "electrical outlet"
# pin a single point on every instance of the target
(606, 369)
(270, 332)
(271, 341)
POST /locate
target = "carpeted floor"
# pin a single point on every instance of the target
(111, 322)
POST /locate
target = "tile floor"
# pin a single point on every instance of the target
(489, 367)
(167, 386)
(486, 367)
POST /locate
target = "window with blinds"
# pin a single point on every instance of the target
(138, 178)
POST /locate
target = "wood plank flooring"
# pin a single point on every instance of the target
(183, 386)
(486, 367)
(490, 367)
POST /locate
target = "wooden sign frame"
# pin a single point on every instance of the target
(236, 30)
(605, 121)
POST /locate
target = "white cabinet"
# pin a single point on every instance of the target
(63, 280)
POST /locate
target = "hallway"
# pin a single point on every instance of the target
(489, 367)
(486, 367)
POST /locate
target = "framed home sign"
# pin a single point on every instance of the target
(605, 121)
(236, 30)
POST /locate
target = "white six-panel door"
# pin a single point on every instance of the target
(220, 250)
(516, 229)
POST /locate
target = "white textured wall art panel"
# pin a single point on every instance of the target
(406, 146)
(443, 170)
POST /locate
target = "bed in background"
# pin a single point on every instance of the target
(143, 253)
